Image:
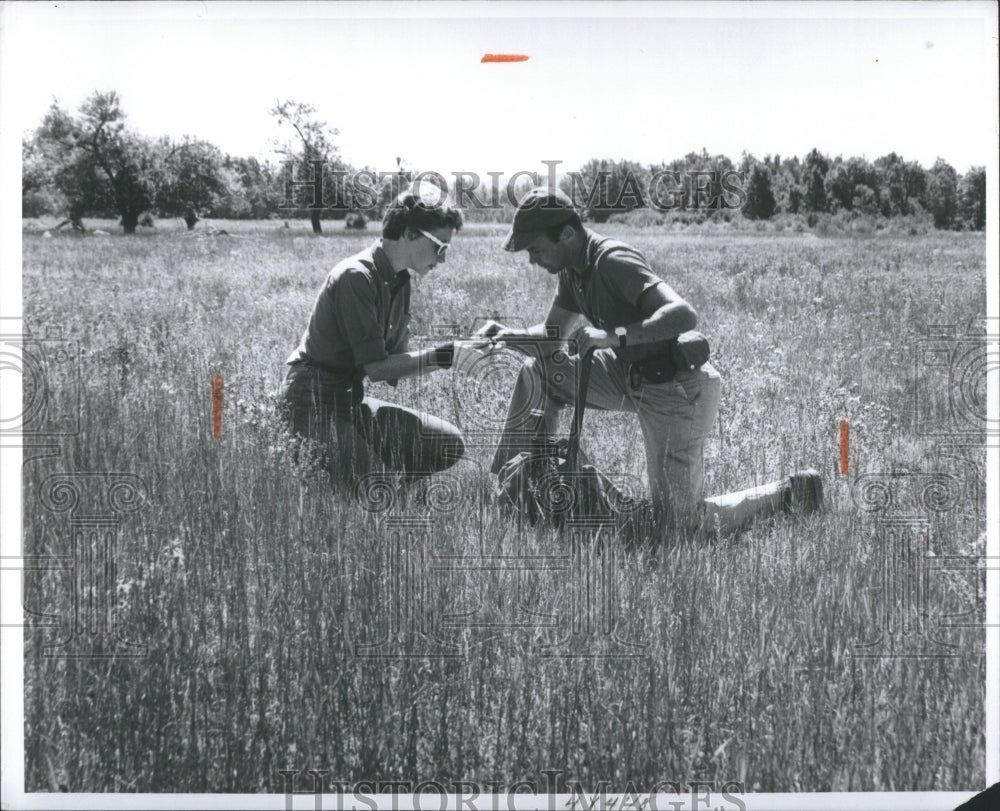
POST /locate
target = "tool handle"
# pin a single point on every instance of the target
(582, 382)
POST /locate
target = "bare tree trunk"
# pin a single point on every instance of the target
(75, 218)
(314, 217)
(191, 218)
(129, 222)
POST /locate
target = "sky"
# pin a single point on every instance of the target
(648, 82)
(644, 81)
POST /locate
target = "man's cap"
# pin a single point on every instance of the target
(540, 209)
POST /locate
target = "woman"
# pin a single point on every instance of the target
(359, 328)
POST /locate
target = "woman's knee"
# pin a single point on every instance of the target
(444, 451)
(415, 442)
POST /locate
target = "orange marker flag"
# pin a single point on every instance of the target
(217, 406)
(504, 58)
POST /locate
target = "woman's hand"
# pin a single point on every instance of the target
(494, 329)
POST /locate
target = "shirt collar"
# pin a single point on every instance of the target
(590, 254)
(402, 278)
(384, 269)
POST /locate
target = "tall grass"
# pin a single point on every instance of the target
(252, 584)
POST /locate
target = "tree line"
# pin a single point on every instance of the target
(92, 164)
(888, 186)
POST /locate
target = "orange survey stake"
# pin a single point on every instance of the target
(217, 406)
(504, 58)
(845, 443)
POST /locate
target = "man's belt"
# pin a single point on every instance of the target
(655, 370)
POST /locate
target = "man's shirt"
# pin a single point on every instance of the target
(361, 314)
(608, 290)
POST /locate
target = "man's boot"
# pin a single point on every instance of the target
(803, 492)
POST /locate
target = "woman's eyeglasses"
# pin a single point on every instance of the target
(441, 246)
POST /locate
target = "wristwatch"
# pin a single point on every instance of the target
(620, 332)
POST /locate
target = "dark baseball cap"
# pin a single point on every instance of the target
(540, 209)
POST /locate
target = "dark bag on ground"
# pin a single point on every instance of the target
(554, 483)
(545, 486)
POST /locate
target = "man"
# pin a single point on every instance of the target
(359, 328)
(608, 298)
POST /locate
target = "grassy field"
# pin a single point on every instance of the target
(253, 586)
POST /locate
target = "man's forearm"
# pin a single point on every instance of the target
(511, 334)
(666, 323)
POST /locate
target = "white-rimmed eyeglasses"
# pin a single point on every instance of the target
(441, 246)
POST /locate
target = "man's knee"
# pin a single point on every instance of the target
(528, 397)
(530, 374)
(547, 382)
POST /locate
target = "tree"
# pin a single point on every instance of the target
(786, 183)
(670, 186)
(259, 189)
(39, 194)
(605, 187)
(100, 167)
(760, 203)
(972, 199)
(845, 177)
(942, 188)
(814, 170)
(98, 163)
(890, 169)
(864, 201)
(702, 178)
(315, 149)
(194, 180)
(915, 183)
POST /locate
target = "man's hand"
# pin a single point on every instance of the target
(591, 337)
(469, 353)
(496, 332)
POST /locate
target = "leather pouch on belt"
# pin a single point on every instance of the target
(689, 351)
